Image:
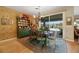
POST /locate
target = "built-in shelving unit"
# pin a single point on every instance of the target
(23, 26)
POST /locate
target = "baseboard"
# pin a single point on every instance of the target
(8, 39)
(69, 40)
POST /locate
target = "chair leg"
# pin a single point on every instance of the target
(44, 44)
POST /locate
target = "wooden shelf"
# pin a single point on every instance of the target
(23, 25)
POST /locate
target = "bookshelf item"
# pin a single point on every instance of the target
(23, 26)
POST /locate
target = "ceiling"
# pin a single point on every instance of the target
(32, 10)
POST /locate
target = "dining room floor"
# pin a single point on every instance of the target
(22, 46)
(61, 46)
(13, 46)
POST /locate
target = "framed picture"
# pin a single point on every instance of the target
(69, 21)
(5, 21)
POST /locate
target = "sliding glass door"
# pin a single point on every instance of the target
(54, 22)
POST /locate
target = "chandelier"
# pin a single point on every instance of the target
(38, 16)
(38, 13)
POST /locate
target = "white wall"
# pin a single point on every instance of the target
(68, 30)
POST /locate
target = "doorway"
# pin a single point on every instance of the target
(76, 29)
(55, 23)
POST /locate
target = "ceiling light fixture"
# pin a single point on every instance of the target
(38, 12)
(34, 16)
